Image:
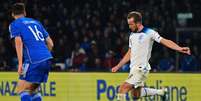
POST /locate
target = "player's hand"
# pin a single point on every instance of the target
(20, 70)
(185, 50)
(115, 69)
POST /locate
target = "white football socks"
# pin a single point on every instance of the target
(151, 91)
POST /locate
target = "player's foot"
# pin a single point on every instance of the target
(164, 95)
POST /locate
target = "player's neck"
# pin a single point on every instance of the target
(19, 16)
(140, 28)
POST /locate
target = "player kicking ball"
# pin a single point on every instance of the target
(140, 45)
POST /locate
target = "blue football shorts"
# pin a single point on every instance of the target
(36, 73)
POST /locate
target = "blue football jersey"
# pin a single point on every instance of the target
(33, 36)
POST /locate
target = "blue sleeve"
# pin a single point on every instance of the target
(45, 33)
(14, 30)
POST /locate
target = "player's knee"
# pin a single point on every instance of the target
(20, 86)
(121, 88)
(124, 88)
(24, 86)
(22, 89)
(19, 90)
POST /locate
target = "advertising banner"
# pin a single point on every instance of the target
(103, 86)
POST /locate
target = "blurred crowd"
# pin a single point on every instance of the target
(92, 35)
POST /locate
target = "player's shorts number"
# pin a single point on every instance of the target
(37, 34)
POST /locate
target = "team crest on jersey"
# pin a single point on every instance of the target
(140, 38)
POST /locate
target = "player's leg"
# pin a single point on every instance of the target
(23, 86)
(126, 86)
(144, 92)
(136, 93)
(20, 86)
(138, 79)
(152, 91)
(123, 89)
(40, 76)
(23, 91)
(26, 90)
(36, 96)
(32, 77)
(139, 89)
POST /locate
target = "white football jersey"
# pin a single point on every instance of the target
(141, 44)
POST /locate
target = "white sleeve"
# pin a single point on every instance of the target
(155, 36)
(130, 42)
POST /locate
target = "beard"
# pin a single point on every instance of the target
(135, 30)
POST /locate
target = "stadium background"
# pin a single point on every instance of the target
(91, 36)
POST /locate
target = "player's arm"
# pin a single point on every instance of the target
(123, 61)
(49, 43)
(172, 45)
(48, 40)
(19, 50)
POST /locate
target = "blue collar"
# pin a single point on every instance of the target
(143, 30)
